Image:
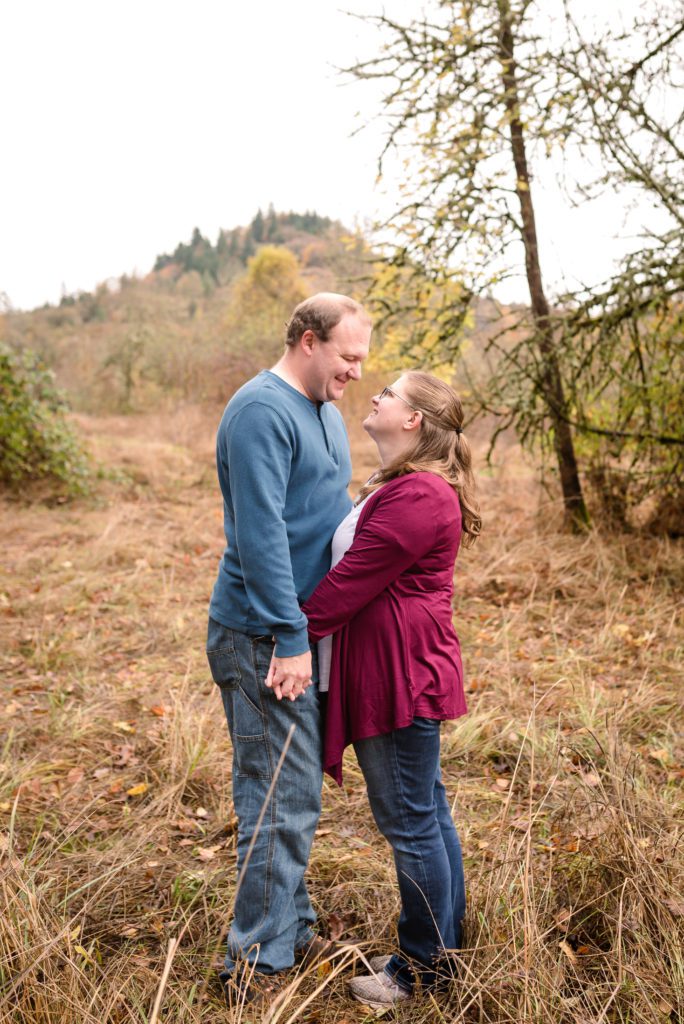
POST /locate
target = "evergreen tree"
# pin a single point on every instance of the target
(256, 228)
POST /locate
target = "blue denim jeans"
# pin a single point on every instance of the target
(411, 810)
(273, 914)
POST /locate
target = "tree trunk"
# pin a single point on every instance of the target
(573, 500)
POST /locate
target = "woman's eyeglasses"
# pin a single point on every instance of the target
(388, 391)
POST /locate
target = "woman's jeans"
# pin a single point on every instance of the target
(411, 810)
(273, 914)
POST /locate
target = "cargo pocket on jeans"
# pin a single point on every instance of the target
(245, 719)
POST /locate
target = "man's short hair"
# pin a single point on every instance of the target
(320, 313)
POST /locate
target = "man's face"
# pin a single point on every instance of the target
(333, 363)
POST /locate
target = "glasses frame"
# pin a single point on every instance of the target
(388, 391)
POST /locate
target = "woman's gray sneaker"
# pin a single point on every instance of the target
(377, 990)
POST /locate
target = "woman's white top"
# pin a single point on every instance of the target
(341, 542)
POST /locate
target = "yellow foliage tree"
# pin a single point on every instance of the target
(264, 297)
(262, 301)
(415, 299)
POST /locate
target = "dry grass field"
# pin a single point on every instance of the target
(116, 828)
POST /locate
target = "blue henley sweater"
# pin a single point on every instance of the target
(284, 468)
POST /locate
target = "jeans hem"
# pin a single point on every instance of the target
(311, 934)
(396, 978)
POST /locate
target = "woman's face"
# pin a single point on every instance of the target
(392, 414)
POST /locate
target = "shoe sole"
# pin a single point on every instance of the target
(375, 1005)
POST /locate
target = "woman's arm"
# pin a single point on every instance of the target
(400, 529)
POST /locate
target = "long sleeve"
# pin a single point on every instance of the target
(398, 531)
(255, 456)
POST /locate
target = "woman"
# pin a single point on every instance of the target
(396, 665)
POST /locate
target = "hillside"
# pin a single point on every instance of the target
(205, 316)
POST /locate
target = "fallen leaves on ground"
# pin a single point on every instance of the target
(138, 790)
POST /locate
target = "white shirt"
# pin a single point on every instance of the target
(341, 542)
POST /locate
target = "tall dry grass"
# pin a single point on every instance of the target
(117, 833)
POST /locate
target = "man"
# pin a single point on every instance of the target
(284, 468)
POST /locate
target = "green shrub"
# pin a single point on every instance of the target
(37, 444)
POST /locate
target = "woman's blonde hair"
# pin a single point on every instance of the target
(440, 447)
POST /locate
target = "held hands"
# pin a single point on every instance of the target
(289, 677)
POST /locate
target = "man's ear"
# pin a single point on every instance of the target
(308, 341)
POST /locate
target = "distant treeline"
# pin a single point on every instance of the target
(237, 245)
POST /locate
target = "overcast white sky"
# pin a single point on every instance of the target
(126, 125)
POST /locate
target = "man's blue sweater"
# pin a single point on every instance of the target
(284, 469)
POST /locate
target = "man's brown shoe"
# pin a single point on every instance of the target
(257, 995)
(317, 948)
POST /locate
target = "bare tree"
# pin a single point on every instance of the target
(624, 338)
(479, 94)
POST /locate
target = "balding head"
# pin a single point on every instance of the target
(321, 313)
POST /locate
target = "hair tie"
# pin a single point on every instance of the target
(458, 430)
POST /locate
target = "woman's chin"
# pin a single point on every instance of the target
(368, 424)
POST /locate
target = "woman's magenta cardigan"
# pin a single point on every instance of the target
(396, 655)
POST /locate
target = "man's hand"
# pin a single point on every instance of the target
(289, 677)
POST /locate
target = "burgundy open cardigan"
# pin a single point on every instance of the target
(395, 655)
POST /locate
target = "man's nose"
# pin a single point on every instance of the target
(354, 371)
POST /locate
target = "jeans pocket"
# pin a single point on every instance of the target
(224, 667)
(262, 653)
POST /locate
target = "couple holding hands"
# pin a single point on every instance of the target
(336, 618)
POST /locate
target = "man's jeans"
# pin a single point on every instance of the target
(273, 914)
(411, 810)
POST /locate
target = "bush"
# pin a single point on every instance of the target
(37, 444)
